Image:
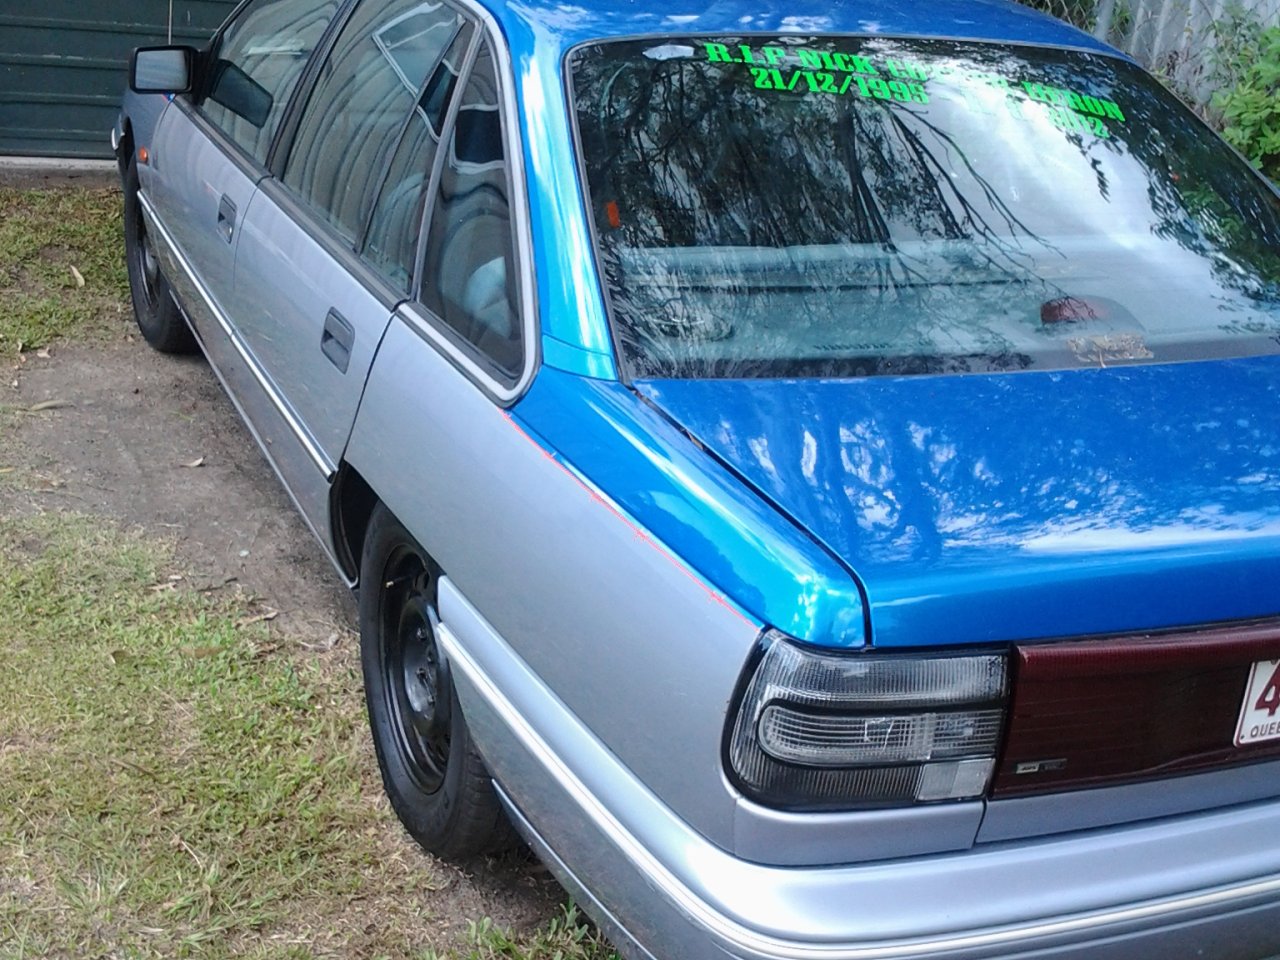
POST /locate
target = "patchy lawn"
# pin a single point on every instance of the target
(182, 772)
(62, 272)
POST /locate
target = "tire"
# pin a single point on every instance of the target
(435, 779)
(158, 316)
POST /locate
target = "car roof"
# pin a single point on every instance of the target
(584, 20)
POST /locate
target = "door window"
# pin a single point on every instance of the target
(257, 61)
(469, 279)
(365, 93)
(397, 216)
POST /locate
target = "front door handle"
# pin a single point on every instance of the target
(226, 218)
(337, 340)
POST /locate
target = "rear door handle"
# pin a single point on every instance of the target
(337, 340)
(226, 218)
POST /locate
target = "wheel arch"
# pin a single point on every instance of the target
(124, 153)
(352, 502)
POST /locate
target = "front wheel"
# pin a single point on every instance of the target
(435, 779)
(159, 319)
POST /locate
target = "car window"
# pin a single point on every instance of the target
(858, 206)
(393, 231)
(469, 277)
(257, 61)
(365, 92)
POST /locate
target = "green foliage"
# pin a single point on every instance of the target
(1251, 108)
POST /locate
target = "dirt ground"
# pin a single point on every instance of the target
(150, 441)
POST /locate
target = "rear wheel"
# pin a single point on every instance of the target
(435, 779)
(158, 316)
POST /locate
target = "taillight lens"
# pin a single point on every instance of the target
(818, 730)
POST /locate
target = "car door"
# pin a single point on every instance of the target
(316, 285)
(209, 151)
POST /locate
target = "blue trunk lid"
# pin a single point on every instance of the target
(1020, 506)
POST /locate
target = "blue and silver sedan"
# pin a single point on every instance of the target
(810, 470)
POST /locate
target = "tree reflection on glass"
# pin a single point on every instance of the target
(752, 223)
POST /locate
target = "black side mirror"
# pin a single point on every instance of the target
(240, 93)
(162, 69)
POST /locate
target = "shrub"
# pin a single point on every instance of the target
(1251, 109)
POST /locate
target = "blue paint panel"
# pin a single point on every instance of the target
(587, 363)
(570, 309)
(1022, 506)
(676, 493)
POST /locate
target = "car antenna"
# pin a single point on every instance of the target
(170, 40)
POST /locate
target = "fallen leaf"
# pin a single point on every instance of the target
(43, 353)
(78, 275)
(198, 462)
(49, 405)
(258, 618)
(135, 766)
(209, 588)
(118, 657)
(201, 653)
(328, 644)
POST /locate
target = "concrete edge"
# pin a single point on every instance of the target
(27, 172)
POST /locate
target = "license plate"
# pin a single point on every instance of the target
(1260, 712)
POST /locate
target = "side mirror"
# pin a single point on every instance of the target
(161, 69)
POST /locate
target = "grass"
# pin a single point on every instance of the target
(62, 273)
(566, 937)
(176, 780)
(176, 783)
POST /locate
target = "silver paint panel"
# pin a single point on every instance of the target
(531, 545)
(286, 284)
(1193, 884)
(185, 181)
(763, 835)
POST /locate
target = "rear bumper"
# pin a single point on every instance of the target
(1203, 885)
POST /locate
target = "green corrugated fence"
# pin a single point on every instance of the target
(63, 62)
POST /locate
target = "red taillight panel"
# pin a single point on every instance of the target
(1089, 713)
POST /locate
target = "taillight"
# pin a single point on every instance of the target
(820, 730)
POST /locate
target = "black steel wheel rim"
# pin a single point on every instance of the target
(415, 680)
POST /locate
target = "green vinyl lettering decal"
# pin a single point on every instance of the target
(803, 71)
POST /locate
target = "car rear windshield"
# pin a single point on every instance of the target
(852, 206)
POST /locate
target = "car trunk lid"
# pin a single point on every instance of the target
(1021, 506)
